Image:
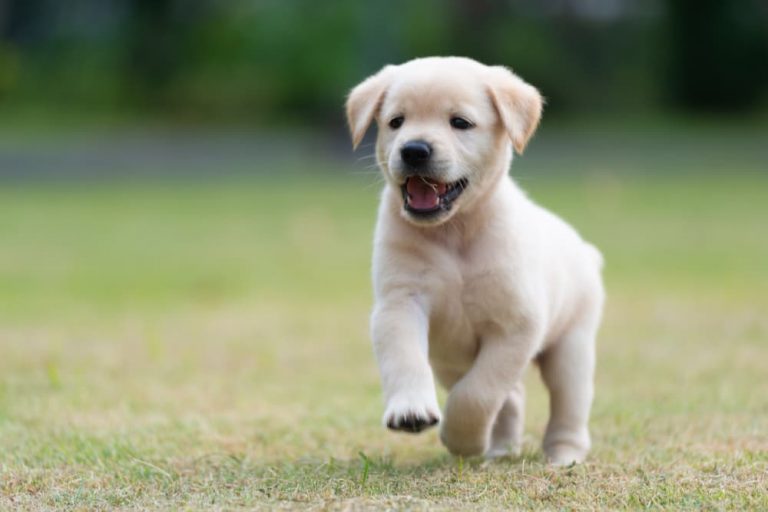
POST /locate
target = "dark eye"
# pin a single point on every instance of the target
(460, 123)
(396, 122)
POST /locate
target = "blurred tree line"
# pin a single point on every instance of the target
(282, 60)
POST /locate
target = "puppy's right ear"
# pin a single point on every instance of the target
(364, 102)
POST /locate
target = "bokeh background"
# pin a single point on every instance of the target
(264, 61)
(185, 243)
(186, 84)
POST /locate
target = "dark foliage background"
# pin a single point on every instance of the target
(267, 61)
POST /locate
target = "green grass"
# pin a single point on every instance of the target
(170, 345)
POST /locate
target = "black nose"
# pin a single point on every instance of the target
(415, 153)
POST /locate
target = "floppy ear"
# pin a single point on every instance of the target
(518, 103)
(364, 102)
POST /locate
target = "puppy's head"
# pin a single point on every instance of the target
(446, 129)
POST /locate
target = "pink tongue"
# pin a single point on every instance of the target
(423, 195)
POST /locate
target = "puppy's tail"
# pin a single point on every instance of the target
(595, 254)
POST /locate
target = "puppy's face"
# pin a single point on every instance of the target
(446, 129)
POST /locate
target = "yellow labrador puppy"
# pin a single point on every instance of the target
(472, 279)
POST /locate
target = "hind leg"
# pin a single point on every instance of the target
(507, 434)
(568, 372)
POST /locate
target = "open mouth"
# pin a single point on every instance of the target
(425, 196)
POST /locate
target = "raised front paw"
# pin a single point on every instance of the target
(411, 413)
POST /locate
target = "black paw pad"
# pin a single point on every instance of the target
(412, 423)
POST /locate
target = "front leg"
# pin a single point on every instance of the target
(399, 328)
(476, 400)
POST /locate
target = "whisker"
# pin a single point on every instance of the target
(374, 183)
(366, 145)
(377, 181)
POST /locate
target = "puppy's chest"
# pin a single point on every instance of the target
(466, 308)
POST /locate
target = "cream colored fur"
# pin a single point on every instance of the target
(476, 295)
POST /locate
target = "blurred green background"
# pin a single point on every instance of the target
(288, 62)
(185, 245)
(110, 88)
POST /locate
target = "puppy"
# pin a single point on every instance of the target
(473, 280)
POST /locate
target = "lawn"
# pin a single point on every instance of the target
(168, 344)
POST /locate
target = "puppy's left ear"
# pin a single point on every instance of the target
(518, 104)
(364, 102)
